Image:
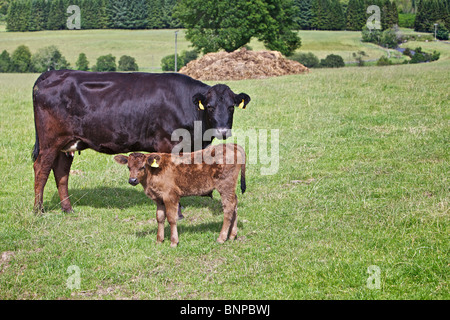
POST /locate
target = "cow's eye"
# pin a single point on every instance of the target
(143, 168)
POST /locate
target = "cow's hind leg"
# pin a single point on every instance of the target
(61, 170)
(42, 167)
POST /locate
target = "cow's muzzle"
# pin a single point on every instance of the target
(222, 133)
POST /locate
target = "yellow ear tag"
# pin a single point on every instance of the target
(154, 164)
(241, 105)
(200, 105)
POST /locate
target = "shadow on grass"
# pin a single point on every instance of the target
(113, 197)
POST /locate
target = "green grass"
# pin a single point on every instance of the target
(150, 46)
(373, 143)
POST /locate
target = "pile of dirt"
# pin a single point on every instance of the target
(242, 64)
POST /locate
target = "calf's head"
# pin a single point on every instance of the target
(136, 164)
(219, 103)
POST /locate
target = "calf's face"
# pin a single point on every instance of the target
(136, 164)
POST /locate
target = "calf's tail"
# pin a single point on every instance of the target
(243, 186)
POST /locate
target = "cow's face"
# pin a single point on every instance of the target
(136, 165)
(219, 104)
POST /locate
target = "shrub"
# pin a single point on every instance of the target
(127, 63)
(21, 59)
(48, 58)
(442, 32)
(188, 56)
(359, 57)
(309, 60)
(168, 62)
(389, 39)
(105, 63)
(82, 62)
(332, 61)
(384, 61)
(5, 61)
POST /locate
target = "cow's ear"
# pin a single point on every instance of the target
(121, 159)
(199, 100)
(154, 160)
(241, 100)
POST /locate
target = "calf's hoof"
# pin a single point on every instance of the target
(173, 244)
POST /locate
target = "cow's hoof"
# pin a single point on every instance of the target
(174, 244)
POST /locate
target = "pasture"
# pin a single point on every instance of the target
(362, 181)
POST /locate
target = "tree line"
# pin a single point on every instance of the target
(430, 12)
(36, 15)
(333, 15)
(50, 58)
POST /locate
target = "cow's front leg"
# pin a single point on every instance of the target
(172, 217)
(161, 218)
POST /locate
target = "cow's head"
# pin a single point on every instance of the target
(219, 103)
(136, 164)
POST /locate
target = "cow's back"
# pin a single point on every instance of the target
(115, 112)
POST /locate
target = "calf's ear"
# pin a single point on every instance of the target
(154, 160)
(121, 159)
(199, 100)
(241, 100)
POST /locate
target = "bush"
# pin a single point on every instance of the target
(5, 61)
(127, 63)
(442, 32)
(82, 62)
(168, 62)
(389, 39)
(21, 59)
(373, 36)
(332, 61)
(309, 60)
(384, 61)
(105, 63)
(48, 58)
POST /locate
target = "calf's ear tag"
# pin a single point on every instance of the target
(241, 105)
(154, 164)
(200, 105)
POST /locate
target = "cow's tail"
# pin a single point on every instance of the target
(243, 185)
(35, 152)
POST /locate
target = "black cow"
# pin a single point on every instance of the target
(118, 113)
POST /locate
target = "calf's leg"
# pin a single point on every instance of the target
(172, 217)
(161, 218)
(233, 232)
(229, 203)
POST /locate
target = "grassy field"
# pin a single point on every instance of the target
(150, 46)
(362, 181)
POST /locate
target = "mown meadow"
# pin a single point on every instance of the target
(362, 185)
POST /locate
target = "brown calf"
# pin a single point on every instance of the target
(167, 177)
